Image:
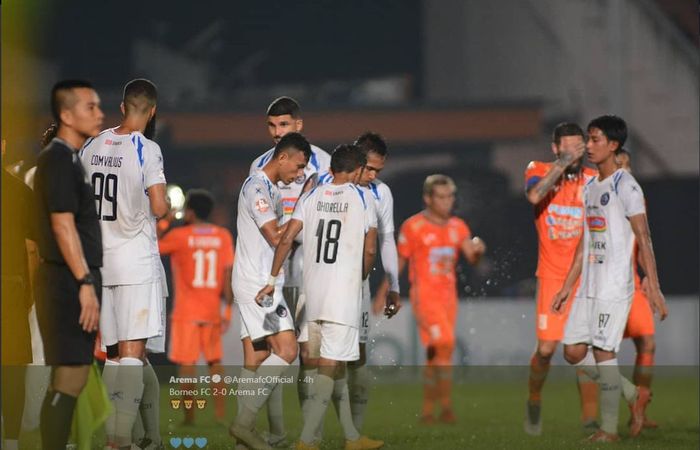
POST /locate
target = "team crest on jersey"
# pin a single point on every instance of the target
(300, 179)
(261, 205)
(281, 311)
(604, 199)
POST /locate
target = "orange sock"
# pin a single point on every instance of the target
(538, 374)
(429, 390)
(444, 386)
(588, 391)
(643, 369)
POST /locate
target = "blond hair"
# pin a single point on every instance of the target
(437, 179)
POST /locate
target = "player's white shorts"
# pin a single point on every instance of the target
(598, 323)
(258, 321)
(339, 342)
(132, 311)
(364, 312)
(157, 344)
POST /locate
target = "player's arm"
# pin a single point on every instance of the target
(640, 227)
(370, 252)
(273, 232)
(387, 249)
(473, 249)
(228, 298)
(293, 227)
(562, 296)
(158, 199)
(68, 240)
(382, 296)
(567, 157)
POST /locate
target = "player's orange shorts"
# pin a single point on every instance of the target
(641, 319)
(550, 326)
(189, 339)
(436, 315)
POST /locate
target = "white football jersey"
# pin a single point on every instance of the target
(336, 219)
(319, 163)
(258, 203)
(608, 250)
(121, 168)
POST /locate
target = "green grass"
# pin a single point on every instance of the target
(490, 405)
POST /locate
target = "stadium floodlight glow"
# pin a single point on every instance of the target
(177, 200)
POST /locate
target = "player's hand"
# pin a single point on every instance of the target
(571, 154)
(264, 292)
(479, 246)
(89, 308)
(658, 302)
(559, 301)
(393, 304)
(225, 323)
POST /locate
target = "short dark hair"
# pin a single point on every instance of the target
(61, 98)
(139, 95)
(284, 105)
(565, 129)
(613, 127)
(346, 158)
(201, 202)
(293, 141)
(372, 142)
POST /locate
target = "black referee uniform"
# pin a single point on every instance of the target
(61, 186)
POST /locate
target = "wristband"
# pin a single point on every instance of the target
(271, 280)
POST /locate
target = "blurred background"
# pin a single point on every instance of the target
(464, 87)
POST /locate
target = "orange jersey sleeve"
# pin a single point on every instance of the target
(534, 172)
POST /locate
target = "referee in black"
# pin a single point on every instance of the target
(70, 246)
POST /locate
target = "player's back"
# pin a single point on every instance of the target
(121, 168)
(199, 253)
(558, 219)
(336, 219)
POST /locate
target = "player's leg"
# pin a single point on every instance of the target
(129, 389)
(442, 325)
(640, 327)
(59, 404)
(213, 352)
(184, 351)
(358, 372)
(109, 376)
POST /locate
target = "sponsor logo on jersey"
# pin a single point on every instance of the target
(111, 142)
(288, 205)
(562, 210)
(596, 224)
(604, 199)
(281, 311)
(261, 205)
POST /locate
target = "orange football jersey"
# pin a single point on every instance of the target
(198, 254)
(432, 252)
(558, 220)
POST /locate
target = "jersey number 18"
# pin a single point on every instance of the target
(332, 236)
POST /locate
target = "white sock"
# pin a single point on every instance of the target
(322, 392)
(243, 385)
(269, 372)
(358, 387)
(149, 408)
(275, 411)
(609, 381)
(130, 386)
(109, 376)
(341, 401)
(588, 370)
(305, 387)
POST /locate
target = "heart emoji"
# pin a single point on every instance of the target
(188, 442)
(200, 442)
(175, 442)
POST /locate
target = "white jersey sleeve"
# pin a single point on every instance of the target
(261, 160)
(631, 195)
(259, 202)
(153, 171)
(385, 206)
